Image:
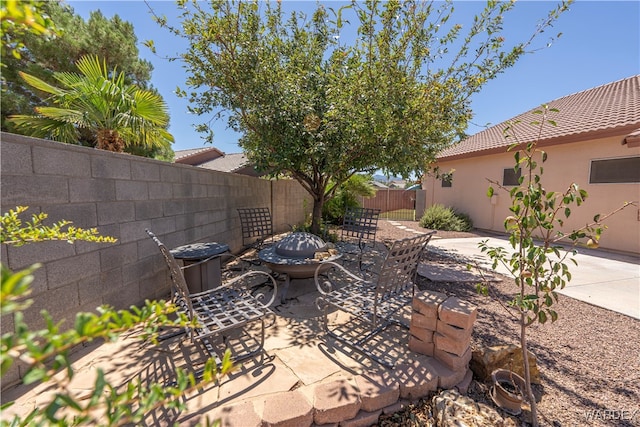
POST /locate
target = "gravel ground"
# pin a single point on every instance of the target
(589, 359)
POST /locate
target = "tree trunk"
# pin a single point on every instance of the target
(110, 140)
(527, 373)
(316, 216)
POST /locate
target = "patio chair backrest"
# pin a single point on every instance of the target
(361, 223)
(256, 225)
(399, 269)
(178, 283)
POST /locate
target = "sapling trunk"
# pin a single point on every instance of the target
(527, 373)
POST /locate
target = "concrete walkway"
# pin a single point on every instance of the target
(601, 278)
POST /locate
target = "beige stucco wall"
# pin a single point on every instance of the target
(565, 164)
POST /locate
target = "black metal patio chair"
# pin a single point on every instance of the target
(373, 302)
(257, 226)
(235, 304)
(358, 230)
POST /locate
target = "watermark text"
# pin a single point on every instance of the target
(612, 415)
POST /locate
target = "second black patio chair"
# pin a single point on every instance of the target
(371, 302)
(358, 230)
(257, 226)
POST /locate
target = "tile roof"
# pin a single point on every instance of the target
(181, 156)
(601, 111)
(227, 163)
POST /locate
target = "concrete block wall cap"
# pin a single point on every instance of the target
(416, 378)
(424, 335)
(447, 377)
(421, 347)
(457, 312)
(335, 401)
(451, 360)
(427, 302)
(419, 320)
(377, 392)
(290, 409)
(235, 415)
(450, 345)
(454, 332)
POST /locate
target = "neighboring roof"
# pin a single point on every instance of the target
(214, 159)
(196, 156)
(607, 110)
(227, 163)
(398, 183)
(378, 184)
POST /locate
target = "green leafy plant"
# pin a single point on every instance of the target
(97, 101)
(18, 18)
(439, 217)
(539, 260)
(15, 232)
(346, 196)
(47, 351)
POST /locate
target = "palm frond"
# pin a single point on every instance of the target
(46, 128)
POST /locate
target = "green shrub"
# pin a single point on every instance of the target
(439, 217)
(347, 196)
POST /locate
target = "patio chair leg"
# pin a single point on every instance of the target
(285, 289)
(169, 335)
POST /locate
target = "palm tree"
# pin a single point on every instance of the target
(97, 107)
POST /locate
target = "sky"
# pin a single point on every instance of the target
(600, 43)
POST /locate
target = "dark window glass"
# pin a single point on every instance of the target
(446, 182)
(510, 177)
(615, 170)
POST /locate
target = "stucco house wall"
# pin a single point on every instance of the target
(596, 124)
(565, 164)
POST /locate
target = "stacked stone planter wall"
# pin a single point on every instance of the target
(441, 327)
(121, 195)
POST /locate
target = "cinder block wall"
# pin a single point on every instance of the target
(121, 195)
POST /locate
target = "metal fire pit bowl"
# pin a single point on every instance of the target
(294, 255)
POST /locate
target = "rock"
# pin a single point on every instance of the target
(453, 410)
(487, 359)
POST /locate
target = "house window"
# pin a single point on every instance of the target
(621, 170)
(446, 182)
(511, 177)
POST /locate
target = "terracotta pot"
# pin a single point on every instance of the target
(508, 390)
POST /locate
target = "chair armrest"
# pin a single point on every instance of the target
(325, 285)
(260, 296)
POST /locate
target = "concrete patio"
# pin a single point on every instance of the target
(302, 377)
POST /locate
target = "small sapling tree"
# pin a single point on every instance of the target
(539, 260)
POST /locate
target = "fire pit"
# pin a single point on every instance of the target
(297, 256)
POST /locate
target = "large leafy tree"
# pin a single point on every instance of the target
(101, 106)
(113, 40)
(320, 111)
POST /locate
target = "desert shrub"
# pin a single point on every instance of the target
(439, 217)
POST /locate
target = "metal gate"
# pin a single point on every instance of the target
(394, 203)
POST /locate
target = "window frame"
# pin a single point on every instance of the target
(516, 175)
(604, 159)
